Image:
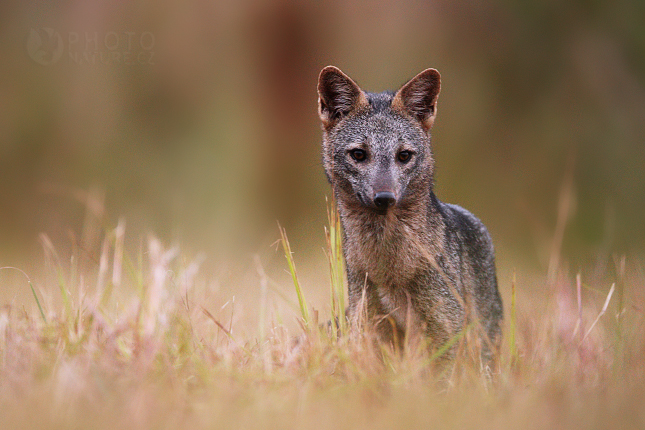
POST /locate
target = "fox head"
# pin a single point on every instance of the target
(376, 147)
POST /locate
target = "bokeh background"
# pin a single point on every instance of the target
(196, 121)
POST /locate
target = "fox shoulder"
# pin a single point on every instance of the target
(466, 225)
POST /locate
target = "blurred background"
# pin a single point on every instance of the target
(196, 121)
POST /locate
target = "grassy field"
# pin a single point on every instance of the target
(134, 342)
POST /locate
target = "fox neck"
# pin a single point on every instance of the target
(388, 248)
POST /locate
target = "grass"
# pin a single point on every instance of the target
(132, 343)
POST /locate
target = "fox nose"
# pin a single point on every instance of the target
(384, 199)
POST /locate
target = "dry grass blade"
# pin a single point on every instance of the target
(512, 334)
(217, 323)
(602, 311)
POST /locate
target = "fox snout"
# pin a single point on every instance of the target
(383, 188)
(384, 199)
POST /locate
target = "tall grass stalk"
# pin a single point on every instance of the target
(511, 335)
(336, 270)
(304, 310)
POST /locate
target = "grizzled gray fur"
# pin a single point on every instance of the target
(415, 265)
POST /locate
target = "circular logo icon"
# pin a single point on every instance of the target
(44, 50)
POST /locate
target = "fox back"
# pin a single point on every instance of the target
(416, 267)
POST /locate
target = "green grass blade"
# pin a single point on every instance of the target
(446, 346)
(33, 290)
(336, 270)
(40, 308)
(304, 311)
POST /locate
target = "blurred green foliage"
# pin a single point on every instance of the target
(215, 136)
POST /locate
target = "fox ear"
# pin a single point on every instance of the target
(337, 95)
(419, 97)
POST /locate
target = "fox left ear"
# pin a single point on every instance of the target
(338, 95)
(419, 97)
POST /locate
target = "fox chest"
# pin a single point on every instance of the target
(388, 268)
(387, 261)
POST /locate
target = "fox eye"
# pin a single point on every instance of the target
(358, 154)
(404, 156)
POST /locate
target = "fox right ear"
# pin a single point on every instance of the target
(419, 97)
(337, 95)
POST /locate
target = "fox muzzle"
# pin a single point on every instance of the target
(384, 200)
